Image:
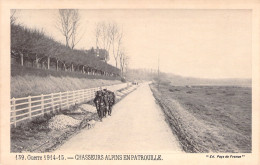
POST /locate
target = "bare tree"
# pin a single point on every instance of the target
(125, 64)
(68, 23)
(124, 60)
(97, 33)
(103, 37)
(116, 41)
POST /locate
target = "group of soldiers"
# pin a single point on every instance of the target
(104, 101)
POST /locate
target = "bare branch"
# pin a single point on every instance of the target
(67, 24)
(103, 34)
(13, 17)
(123, 59)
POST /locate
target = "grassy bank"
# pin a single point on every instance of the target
(208, 118)
(26, 85)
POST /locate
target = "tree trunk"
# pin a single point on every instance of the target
(37, 61)
(42, 65)
(48, 62)
(57, 65)
(32, 62)
(83, 69)
(21, 59)
(67, 42)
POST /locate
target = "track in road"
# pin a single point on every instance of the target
(137, 124)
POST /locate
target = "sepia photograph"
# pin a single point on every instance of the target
(130, 84)
(70, 68)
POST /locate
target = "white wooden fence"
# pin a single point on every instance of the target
(32, 106)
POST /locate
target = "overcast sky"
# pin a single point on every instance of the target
(195, 43)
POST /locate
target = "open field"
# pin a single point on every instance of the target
(208, 118)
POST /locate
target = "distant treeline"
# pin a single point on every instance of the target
(177, 80)
(141, 74)
(31, 47)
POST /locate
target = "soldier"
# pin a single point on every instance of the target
(105, 100)
(97, 101)
(111, 100)
(101, 103)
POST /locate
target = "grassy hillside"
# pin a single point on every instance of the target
(22, 86)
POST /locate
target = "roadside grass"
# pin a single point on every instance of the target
(36, 136)
(22, 86)
(208, 118)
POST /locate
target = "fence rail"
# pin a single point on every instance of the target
(33, 106)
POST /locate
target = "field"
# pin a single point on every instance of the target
(208, 118)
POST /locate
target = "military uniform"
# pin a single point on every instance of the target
(111, 100)
(101, 104)
(104, 101)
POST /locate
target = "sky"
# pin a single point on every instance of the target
(193, 43)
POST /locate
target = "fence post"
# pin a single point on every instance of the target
(42, 103)
(30, 107)
(52, 104)
(67, 99)
(60, 101)
(73, 97)
(77, 96)
(92, 93)
(83, 97)
(13, 111)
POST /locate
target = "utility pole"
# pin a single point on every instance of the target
(158, 72)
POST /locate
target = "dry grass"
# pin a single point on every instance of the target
(26, 85)
(208, 118)
(36, 136)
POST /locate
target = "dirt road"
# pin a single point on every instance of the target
(137, 124)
